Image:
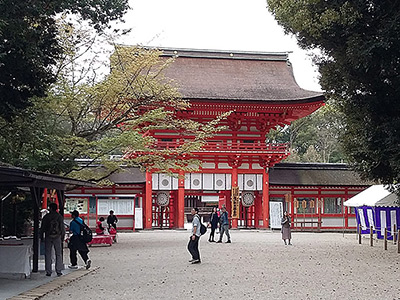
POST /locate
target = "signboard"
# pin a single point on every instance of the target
(119, 206)
(275, 214)
(138, 218)
(235, 202)
(79, 204)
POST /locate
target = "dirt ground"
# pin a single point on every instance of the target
(257, 265)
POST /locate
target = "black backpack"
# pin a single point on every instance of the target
(203, 228)
(86, 234)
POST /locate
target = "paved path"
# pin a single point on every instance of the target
(154, 265)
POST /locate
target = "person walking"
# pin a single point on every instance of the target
(76, 244)
(286, 231)
(52, 231)
(224, 227)
(213, 224)
(112, 220)
(193, 245)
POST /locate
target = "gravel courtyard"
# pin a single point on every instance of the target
(257, 265)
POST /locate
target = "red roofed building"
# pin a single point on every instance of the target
(240, 168)
(260, 90)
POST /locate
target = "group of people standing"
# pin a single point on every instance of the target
(222, 220)
(216, 219)
(52, 231)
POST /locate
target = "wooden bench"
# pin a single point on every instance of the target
(101, 239)
(303, 223)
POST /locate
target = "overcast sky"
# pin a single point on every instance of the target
(216, 24)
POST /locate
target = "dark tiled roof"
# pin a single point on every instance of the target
(128, 176)
(315, 174)
(241, 76)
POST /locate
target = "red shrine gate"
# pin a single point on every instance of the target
(260, 90)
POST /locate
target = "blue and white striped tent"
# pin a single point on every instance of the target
(376, 207)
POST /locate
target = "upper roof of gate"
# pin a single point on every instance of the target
(236, 75)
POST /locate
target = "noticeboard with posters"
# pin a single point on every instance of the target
(79, 204)
(119, 206)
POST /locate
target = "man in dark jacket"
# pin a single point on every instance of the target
(53, 231)
(112, 220)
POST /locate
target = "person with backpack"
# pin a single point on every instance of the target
(224, 227)
(77, 242)
(53, 231)
(193, 245)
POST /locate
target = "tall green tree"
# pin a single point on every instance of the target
(359, 68)
(29, 45)
(315, 137)
(87, 118)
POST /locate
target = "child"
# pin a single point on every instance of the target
(99, 226)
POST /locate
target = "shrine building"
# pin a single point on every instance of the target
(238, 162)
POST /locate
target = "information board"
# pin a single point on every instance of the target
(119, 206)
(275, 214)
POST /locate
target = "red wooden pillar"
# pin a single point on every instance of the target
(346, 209)
(320, 203)
(265, 197)
(234, 184)
(148, 202)
(181, 200)
(221, 199)
(258, 215)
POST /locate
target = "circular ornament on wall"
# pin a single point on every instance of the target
(247, 199)
(196, 182)
(162, 198)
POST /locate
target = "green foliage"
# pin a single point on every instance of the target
(85, 119)
(314, 138)
(29, 47)
(359, 69)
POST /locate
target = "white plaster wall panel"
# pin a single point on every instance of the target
(352, 222)
(244, 166)
(224, 166)
(228, 181)
(196, 181)
(208, 165)
(259, 182)
(187, 181)
(240, 182)
(256, 167)
(174, 183)
(154, 178)
(208, 182)
(220, 182)
(250, 183)
(331, 222)
(165, 182)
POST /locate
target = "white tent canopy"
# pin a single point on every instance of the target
(375, 195)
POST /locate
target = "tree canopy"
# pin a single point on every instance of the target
(359, 69)
(87, 119)
(29, 47)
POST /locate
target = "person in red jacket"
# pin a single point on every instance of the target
(99, 226)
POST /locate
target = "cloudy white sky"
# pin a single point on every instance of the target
(216, 24)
